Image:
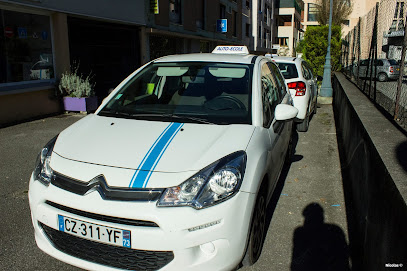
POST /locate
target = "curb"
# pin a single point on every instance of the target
(324, 100)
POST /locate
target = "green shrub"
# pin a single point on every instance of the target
(315, 44)
(74, 85)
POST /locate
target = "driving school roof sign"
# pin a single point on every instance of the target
(237, 50)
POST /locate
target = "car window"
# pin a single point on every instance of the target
(270, 94)
(213, 92)
(378, 62)
(288, 70)
(279, 79)
(309, 69)
(364, 62)
(305, 71)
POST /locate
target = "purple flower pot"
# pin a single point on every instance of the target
(80, 104)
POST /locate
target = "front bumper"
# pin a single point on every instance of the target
(217, 247)
(393, 76)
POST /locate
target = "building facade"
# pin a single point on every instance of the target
(359, 8)
(264, 18)
(309, 14)
(289, 26)
(42, 39)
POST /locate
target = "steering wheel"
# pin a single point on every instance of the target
(225, 102)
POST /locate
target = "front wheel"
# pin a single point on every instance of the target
(303, 126)
(257, 230)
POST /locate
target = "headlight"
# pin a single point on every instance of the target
(213, 184)
(43, 171)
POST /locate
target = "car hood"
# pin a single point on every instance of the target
(150, 145)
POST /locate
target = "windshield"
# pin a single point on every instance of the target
(216, 93)
(288, 70)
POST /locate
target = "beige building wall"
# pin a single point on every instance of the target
(305, 22)
(385, 17)
(360, 9)
(290, 31)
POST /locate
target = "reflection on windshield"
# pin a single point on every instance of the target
(186, 92)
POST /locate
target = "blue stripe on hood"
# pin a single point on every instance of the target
(148, 164)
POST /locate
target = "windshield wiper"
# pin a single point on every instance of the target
(173, 116)
(155, 116)
(194, 119)
(115, 114)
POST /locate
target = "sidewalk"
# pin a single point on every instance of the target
(313, 177)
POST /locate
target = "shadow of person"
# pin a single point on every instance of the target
(319, 246)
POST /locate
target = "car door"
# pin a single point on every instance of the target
(363, 68)
(271, 97)
(309, 81)
(313, 83)
(285, 98)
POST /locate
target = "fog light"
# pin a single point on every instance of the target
(208, 248)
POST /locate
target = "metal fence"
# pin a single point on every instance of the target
(372, 57)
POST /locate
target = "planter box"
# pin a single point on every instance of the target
(80, 104)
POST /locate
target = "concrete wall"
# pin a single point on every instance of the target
(374, 168)
(23, 106)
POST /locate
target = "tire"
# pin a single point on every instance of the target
(290, 149)
(257, 230)
(316, 105)
(303, 126)
(382, 77)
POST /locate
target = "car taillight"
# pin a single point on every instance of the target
(299, 88)
(391, 69)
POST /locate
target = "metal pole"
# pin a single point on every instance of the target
(326, 88)
(400, 81)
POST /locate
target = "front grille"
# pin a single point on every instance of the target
(119, 257)
(107, 192)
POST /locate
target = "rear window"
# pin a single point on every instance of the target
(393, 62)
(288, 70)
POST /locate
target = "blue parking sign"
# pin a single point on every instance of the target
(22, 32)
(222, 25)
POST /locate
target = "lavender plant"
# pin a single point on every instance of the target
(74, 85)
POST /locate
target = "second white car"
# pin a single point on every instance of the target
(302, 85)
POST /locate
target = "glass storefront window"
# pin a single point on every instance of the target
(25, 47)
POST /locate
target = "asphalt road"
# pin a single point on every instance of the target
(311, 183)
(19, 147)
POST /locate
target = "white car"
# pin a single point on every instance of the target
(172, 172)
(302, 85)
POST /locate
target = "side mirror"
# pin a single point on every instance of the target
(285, 112)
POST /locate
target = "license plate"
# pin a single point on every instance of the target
(95, 232)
